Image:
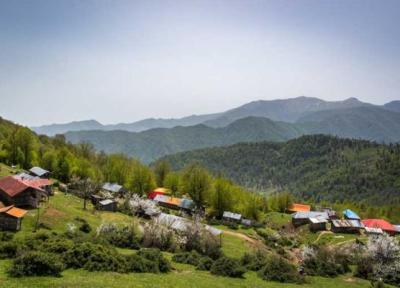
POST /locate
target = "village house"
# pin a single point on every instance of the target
(231, 217)
(331, 213)
(107, 205)
(295, 207)
(21, 193)
(39, 172)
(373, 231)
(113, 188)
(303, 218)
(351, 215)
(380, 223)
(317, 224)
(11, 218)
(43, 183)
(346, 226)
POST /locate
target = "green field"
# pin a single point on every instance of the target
(182, 276)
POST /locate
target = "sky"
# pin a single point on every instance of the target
(122, 61)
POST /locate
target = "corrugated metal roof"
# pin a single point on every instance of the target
(318, 220)
(175, 222)
(38, 171)
(13, 186)
(106, 202)
(347, 223)
(24, 176)
(112, 187)
(231, 215)
(311, 214)
(349, 214)
(372, 230)
(186, 203)
(397, 227)
(379, 223)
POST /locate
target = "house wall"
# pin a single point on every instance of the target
(8, 223)
(28, 198)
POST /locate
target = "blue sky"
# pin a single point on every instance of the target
(121, 61)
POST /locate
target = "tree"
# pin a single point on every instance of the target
(86, 187)
(142, 180)
(221, 197)
(172, 182)
(161, 170)
(25, 142)
(196, 181)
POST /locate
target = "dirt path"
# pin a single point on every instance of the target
(322, 234)
(242, 236)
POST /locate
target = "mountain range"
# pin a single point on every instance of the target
(275, 120)
(287, 110)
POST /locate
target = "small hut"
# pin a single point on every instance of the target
(317, 224)
(231, 217)
(107, 205)
(113, 188)
(11, 218)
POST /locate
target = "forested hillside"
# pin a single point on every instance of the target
(149, 145)
(311, 167)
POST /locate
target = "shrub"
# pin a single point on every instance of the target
(8, 250)
(156, 256)
(254, 261)
(280, 270)
(205, 264)
(191, 258)
(101, 260)
(225, 266)
(322, 261)
(365, 268)
(79, 254)
(85, 228)
(158, 236)
(36, 264)
(135, 263)
(6, 236)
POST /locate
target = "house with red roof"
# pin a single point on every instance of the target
(22, 192)
(380, 223)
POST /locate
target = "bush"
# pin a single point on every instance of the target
(79, 254)
(8, 250)
(156, 256)
(225, 266)
(205, 264)
(280, 270)
(6, 236)
(101, 260)
(322, 261)
(365, 268)
(85, 228)
(191, 258)
(135, 263)
(254, 261)
(36, 264)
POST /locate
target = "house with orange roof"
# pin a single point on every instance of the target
(11, 218)
(295, 207)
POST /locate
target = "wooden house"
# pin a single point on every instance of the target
(231, 217)
(317, 224)
(11, 218)
(295, 207)
(346, 226)
(21, 193)
(303, 218)
(107, 205)
(113, 188)
(43, 183)
(39, 172)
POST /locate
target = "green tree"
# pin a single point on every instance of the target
(161, 170)
(221, 197)
(142, 180)
(196, 181)
(172, 182)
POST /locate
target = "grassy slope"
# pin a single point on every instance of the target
(63, 209)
